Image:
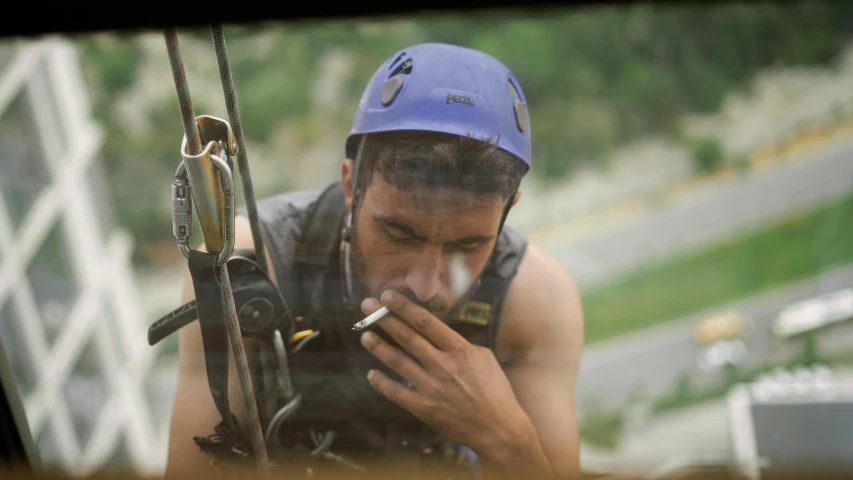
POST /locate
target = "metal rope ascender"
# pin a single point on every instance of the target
(251, 306)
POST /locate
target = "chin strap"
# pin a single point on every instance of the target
(346, 269)
(346, 234)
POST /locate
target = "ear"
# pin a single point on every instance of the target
(347, 167)
(515, 200)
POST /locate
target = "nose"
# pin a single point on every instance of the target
(425, 272)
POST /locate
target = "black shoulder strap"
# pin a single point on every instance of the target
(312, 255)
(325, 220)
(478, 318)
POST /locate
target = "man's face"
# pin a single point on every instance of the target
(411, 242)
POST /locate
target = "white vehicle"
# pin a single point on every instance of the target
(729, 351)
(814, 313)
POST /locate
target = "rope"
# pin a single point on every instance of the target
(184, 101)
(237, 126)
(236, 339)
(231, 321)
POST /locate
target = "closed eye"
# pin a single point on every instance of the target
(399, 237)
(467, 248)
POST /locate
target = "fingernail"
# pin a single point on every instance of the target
(369, 305)
(371, 374)
(366, 336)
(387, 295)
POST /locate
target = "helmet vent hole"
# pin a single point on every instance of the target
(512, 90)
(522, 120)
(404, 68)
(396, 60)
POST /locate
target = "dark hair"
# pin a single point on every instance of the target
(412, 160)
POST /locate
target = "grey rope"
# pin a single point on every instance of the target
(184, 101)
(231, 321)
(237, 126)
(236, 338)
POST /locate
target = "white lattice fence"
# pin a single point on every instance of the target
(70, 318)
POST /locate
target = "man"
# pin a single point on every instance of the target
(483, 344)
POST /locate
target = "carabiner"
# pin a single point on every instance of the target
(195, 179)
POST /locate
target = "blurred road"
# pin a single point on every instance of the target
(654, 359)
(712, 212)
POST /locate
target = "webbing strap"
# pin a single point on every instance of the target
(210, 308)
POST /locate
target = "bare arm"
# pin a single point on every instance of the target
(194, 413)
(543, 321)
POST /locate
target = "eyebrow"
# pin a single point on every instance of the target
(391, 222)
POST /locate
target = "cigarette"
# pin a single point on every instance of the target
(371, 319)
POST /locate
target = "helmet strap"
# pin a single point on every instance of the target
(346, 234)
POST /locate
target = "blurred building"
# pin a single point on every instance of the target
(790, 421)
(71, 321)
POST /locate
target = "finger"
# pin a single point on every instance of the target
(394, 358)
(424, 322)
(402, 334)
(410, 340)
(394, 391)
(370, 305)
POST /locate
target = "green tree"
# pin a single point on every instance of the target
(707, 155)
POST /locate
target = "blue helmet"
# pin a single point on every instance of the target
(449, 89)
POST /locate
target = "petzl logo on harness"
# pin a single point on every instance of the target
(476, 313)
(457, 99)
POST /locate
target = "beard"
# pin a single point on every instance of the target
(437, 305)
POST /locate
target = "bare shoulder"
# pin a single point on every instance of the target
(543, 306)
(243, 238)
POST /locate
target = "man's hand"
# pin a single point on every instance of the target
(458, 388)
